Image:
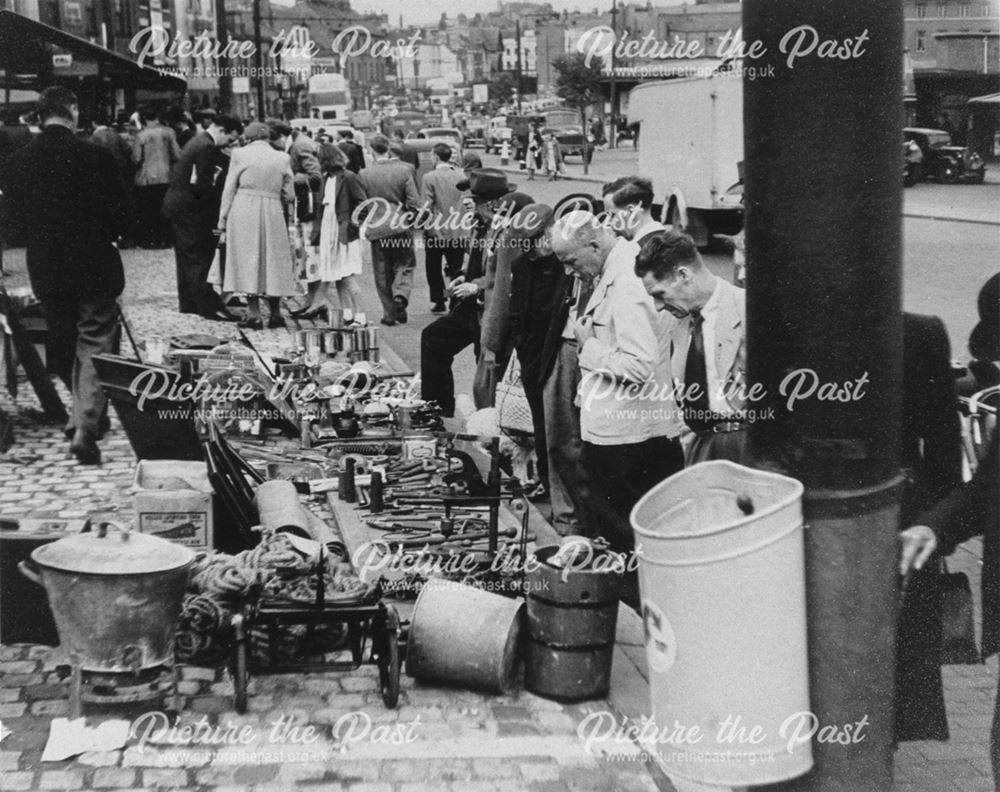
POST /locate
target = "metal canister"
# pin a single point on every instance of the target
(330, 342)
(313, 342)
(336, 318)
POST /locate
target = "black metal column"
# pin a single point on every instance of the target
(823, 115)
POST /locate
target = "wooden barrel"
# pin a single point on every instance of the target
(463, 636)
(571, 619)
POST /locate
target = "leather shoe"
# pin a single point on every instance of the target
(388, 321)
(399, 310)
(85, 449)
(252, 324)
(221, 315)
(275, 321)
(438, 308)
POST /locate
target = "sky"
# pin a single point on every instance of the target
(421, 12)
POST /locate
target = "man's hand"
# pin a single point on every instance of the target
(463, 290)
(583, 329)
(918, 544)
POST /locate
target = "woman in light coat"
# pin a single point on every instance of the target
(255, 202)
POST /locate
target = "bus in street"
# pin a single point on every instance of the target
(329, 97)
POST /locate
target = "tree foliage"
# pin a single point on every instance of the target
(579, 85)
(502, 87)
(576, 82)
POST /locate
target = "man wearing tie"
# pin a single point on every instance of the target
(708, 344)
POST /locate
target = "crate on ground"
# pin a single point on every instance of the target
(173, 500)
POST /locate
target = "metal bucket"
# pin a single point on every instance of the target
(571, 619)
(115, 597)
(464, 636)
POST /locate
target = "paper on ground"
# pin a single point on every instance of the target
(71, 737)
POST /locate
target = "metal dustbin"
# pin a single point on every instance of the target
(722, 580)
(572, 613)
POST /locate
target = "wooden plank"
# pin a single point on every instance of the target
(33, 366)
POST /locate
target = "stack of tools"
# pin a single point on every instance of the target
(439, 511)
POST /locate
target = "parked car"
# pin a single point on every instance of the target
(943, 161)
(446, 134)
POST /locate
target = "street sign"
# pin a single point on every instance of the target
(241, 85)
(480, 93)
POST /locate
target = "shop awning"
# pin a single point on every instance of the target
(989, 99)
(34, 55)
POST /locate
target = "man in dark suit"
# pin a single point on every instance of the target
(192, 205)
(66, 199)
(403, 151)
(932, 461)
(391, 187)
(355, 156)
(970, 510)
(13, 135)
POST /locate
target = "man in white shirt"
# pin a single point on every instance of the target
(629, 430)
(708, 358)
(628, 202)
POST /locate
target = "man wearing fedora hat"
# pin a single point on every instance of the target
(495, 202)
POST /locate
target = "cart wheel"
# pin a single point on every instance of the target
(389, 660)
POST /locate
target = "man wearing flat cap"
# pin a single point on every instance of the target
(495, 202)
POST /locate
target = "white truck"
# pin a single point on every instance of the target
(691, 145)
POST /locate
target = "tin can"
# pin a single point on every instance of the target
(336, 318)
(419, 447)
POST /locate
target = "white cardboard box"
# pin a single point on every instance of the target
(173, 500)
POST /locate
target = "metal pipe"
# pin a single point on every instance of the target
(823, 238)
(259, 60)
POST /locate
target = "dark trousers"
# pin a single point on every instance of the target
(440, 341)
(153, 230)
(393, 263)
(194, 249)
(452, 252)
(620, 475)
(569, 486)
(78, 330)
(530, 360)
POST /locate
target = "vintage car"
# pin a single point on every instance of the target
(449, 135)
(944, 162)
(565, 126)
(475, 131)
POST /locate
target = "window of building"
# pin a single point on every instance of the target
(942, 9)
(965, 9)
(72, 14)
(984, 10)
(921, 10)
(921, 41)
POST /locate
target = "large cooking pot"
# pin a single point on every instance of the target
(115, 596)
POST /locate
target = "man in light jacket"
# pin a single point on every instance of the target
(155, 152)
(446, 221)
(708, 344)
(628, 423)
